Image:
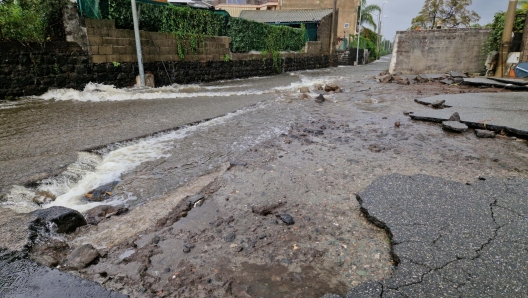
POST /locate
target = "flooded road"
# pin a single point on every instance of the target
(210, 171)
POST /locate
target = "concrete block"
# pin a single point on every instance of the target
(95, 40)
(106, 50)
(99, 59)
(119, 50)
(109, 41)
(94, 50)
(130, 50)
(89, 23)
(100, 32)
(113, 58)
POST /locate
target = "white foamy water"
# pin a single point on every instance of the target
(95, 92)
(118, 162)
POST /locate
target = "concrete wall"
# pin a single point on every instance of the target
(108, 44)
(347, 11)
(439, 51)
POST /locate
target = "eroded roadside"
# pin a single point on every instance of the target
(236, 244)
(237, 240)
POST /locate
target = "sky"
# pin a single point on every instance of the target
(400, 13)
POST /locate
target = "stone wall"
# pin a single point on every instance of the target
(348, 57)
(32, 69)
(108, 44)
(324, 32)
(439, 51)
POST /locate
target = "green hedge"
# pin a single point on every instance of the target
(249, 35)
(168, 18)
(497, 27)
(246, 35)
(31, 20)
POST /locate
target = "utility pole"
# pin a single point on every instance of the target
(380, 20)
(359, 33)
(138, 43)
(332, 34)
(506, 38)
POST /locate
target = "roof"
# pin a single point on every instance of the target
(286, 16)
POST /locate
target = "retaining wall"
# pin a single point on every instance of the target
(439, 51)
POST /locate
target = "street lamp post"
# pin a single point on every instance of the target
(359, 33)
(380, 16)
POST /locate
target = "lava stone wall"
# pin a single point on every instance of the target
(439, 51)
(33, 69)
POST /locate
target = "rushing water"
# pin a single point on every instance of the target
(154, 165)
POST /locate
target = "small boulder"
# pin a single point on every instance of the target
(386, 79)
(330, 87)
(404, 81)
(482, 133)
(101, 193)
(439, 104)
(82, 256)
(97, 214)
(320, 99)
(304, 89)
(318, 87)
(455, 117)
(65, 220)
(287, 219)
(454, 126)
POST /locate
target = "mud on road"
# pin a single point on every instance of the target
(233, 241)
(282, 219)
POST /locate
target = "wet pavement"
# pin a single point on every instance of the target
(450, 239)
(506, 112)
(207, 208)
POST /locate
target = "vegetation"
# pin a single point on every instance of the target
(497, 27)
(445, 13)
(367, 40)
(366, 14)
(194, 24)
(31, 20)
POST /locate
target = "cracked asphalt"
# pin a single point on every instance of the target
(450, 239)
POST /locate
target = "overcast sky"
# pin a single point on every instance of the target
(400, 13)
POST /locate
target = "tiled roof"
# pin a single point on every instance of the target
(285, 16)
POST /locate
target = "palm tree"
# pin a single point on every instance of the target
(366, 14)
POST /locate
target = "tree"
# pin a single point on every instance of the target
(366, 14)
(446, 13)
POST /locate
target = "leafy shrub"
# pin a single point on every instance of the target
(497, 27)
(31, 20)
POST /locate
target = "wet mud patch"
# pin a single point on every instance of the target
(276, 281)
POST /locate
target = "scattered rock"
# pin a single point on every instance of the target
(305, 96)
(236, 248)
(82, 256)
(237, 163)
(320, 99)
(97, 214)
(361, 272)
(331, 87)
(406, 113)
(263, 236)
(396, 78)
(454, 126)
(44, 197)
(101, 193)
(287, 219)
(455, 117)
(187, 247)
(65, 220)
(385, 79)
(318, 87)
(266, 209)
(397, 124)
(439, 104)
(230, 237)
(404, 81)
(305, 89)
(384, 73)
(482, 133)
(447, 81)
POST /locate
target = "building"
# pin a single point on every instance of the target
(347, 12)
(316, 21)
(234, 7)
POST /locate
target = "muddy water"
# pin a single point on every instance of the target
(311, 157)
